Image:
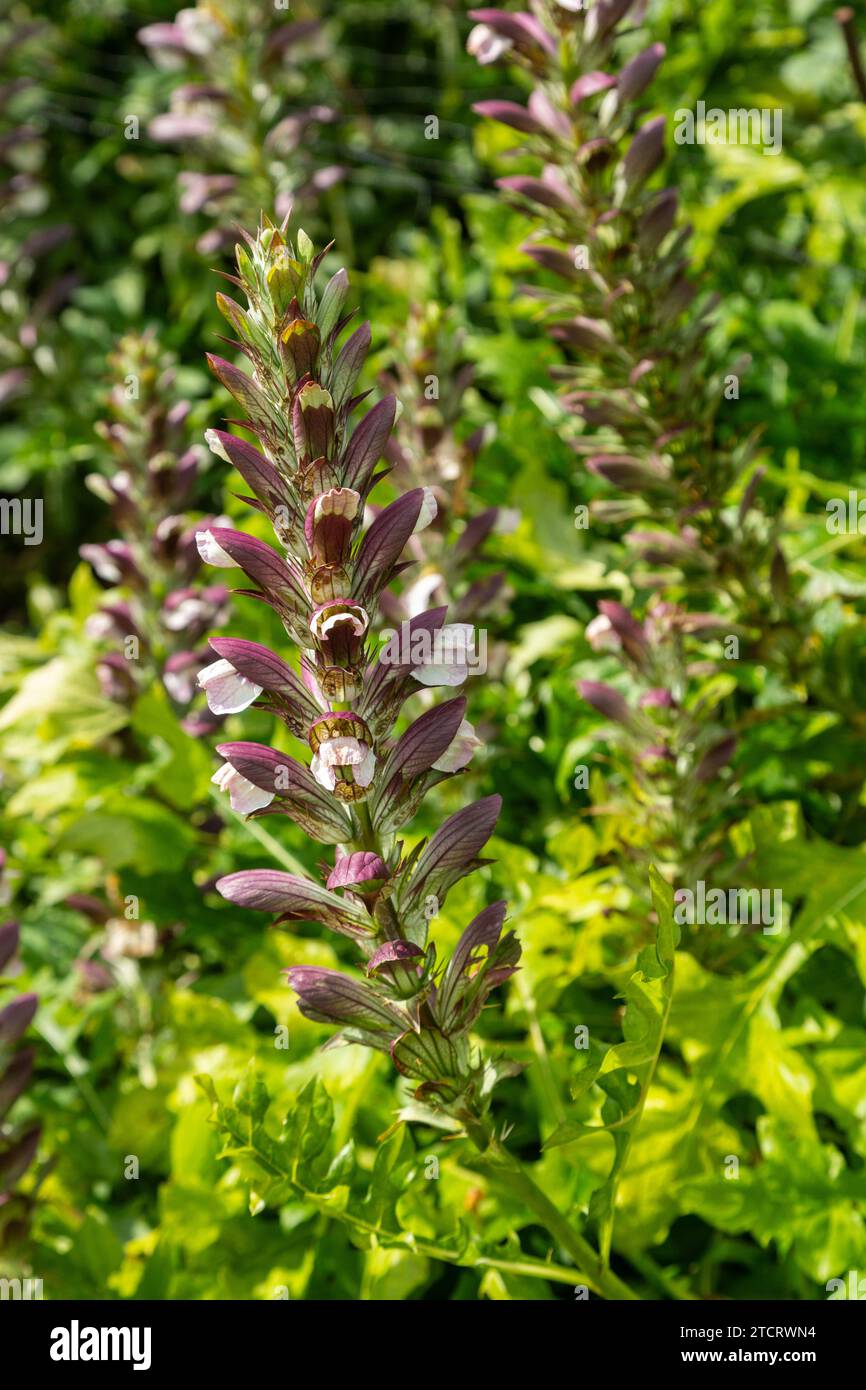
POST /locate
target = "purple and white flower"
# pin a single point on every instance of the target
(227, 691)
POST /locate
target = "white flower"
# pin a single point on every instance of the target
(106, 567)
(338, 612)
(244, 796)
(601, 636)
(179, 685)
(449, 660)
(418, 597)
(212, 553)
(460, 750)
(129, 939)
(486, 45)
(427, 513)
(188, 611)
(343, 752)
(200, 30)
(339, 501)
(99, 625)
(227, 691)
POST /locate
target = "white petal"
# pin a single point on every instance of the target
(323, 774)
(341, 752)
(459, 752)
(418, 596)
(365, 769)
(188, 611)
(227, 691)
(358, 618)
(456, 636)
(428, 511)
(99, 625)
(106, 569)
(600, 635)
(340, 501)
(486, 45)
(441, 675)
(212, 553)
(448, 663)
(122, 482)
(244, 796)
(222, 775)
(215, 446)
(179, 686)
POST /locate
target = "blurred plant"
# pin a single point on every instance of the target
(157, 613)
(429, 375)
(31, 231)
(670, 748)
(17, 1148)
(243, 67)
(847, 22)
(642, 395)
(642, 388)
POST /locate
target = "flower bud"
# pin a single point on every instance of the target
(606, 700)
(639, 73)
(299, 348)
(644, 154)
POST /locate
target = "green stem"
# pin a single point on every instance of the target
(369, 838)
(466, 1257)
(668, 1285)
(509, 1173)
(547, 1080)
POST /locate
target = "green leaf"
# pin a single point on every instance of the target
(251, 1096)
(310, 1121)
(800, 1196)
(625, 1071)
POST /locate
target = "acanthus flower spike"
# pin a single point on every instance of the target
(156, 627)
(311, 475)
(643, 391)
(234, 148)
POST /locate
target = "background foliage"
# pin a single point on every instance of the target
(148, 982)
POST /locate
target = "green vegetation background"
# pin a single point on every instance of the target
(765, 1052)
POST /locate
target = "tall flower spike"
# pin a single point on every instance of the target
(158, 611)
(40, 263)
(629, 316)
(242, 110)
(430, 377)
(644, 395)
(326, 577)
